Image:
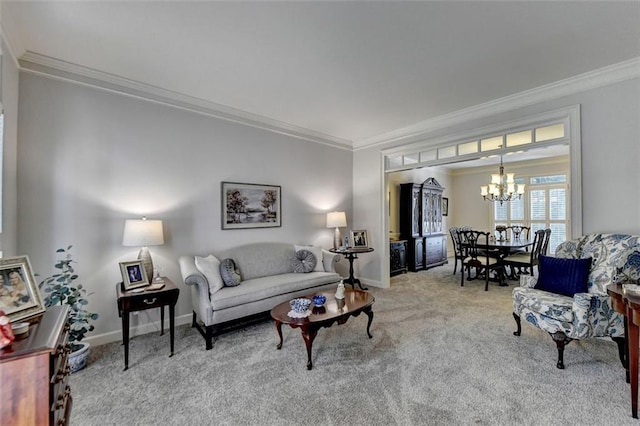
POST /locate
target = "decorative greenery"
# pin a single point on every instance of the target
(61, 289)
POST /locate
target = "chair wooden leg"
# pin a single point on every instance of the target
(462, 275)
(519, 330)
(561, 340)
(455, 265)
(486, 279)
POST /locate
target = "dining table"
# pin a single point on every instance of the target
(503, 248)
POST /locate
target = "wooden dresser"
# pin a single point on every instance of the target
(34, 375)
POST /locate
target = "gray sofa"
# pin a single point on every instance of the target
(267, 280)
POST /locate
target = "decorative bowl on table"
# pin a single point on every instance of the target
(318, 300)
(299, 308)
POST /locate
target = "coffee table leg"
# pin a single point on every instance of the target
(279, 329)
(308, 336)
(369, 313)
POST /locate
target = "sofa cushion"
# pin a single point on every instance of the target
(303, 261)
(229, 273)
(543, 303)
(563, 276)
(262, 259)
(317, 252)
(210, 267)
(266, 287)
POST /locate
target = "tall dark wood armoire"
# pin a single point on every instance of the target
(421, 224)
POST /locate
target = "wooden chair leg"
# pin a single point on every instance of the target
(561, 340)
(519, 330)
(487, 271)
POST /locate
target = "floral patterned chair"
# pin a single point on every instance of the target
(614, 258)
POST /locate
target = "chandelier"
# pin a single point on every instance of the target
(502, 187)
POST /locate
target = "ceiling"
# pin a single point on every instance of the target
(350, 71)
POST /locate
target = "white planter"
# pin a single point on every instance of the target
(78, 359)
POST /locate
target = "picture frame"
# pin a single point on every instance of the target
(133, 275)
(250, 205)
(359, 238)
(20, 297)
(445, 206)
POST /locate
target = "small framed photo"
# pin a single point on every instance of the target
(133, 275)
(359, 238)
(445, 206)
(19, 295)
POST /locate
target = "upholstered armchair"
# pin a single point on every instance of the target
(581, 312)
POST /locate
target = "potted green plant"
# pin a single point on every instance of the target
(61, 289)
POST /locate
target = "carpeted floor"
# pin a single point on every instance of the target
(441, 354)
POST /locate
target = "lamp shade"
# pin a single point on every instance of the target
(142, 233)
(336, 219)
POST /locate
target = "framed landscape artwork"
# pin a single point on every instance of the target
(249, 205)
(445, 206)
(19, 295)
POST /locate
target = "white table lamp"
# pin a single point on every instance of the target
(336, 220)
(143, 233)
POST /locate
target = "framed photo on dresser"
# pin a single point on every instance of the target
(19, 295)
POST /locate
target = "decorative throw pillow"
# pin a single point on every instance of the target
(210, 267)
(317, 252)
(229, 273)
(303, 261)
(563, 276)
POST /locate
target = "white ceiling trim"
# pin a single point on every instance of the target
(56, 68)
(591, 80)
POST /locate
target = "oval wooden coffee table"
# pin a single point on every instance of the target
(334, 310)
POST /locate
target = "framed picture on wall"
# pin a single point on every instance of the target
(445, 206)
(19, 295)
(250, 205)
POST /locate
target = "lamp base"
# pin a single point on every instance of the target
(147, 263)
(337, 239)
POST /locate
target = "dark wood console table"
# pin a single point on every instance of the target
(629, 306)
(130, 301)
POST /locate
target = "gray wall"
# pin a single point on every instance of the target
(610, 132)
(89, 159)
(10, 79)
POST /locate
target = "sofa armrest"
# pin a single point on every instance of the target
(200, 300)
(528, 281)
(593, 315)
(329, 260)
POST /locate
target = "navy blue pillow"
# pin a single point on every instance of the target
(563, 276)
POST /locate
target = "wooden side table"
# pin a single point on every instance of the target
(130, 301)
(351, 253)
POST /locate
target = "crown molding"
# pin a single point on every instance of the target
(616, 73)
(58, 69)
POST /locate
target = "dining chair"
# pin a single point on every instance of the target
(526, 261)
(519, 232)
(459, 249)
(545, 244)
(478, 257)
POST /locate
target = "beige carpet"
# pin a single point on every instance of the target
(440, 355)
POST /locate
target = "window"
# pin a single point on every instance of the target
(544, 206)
